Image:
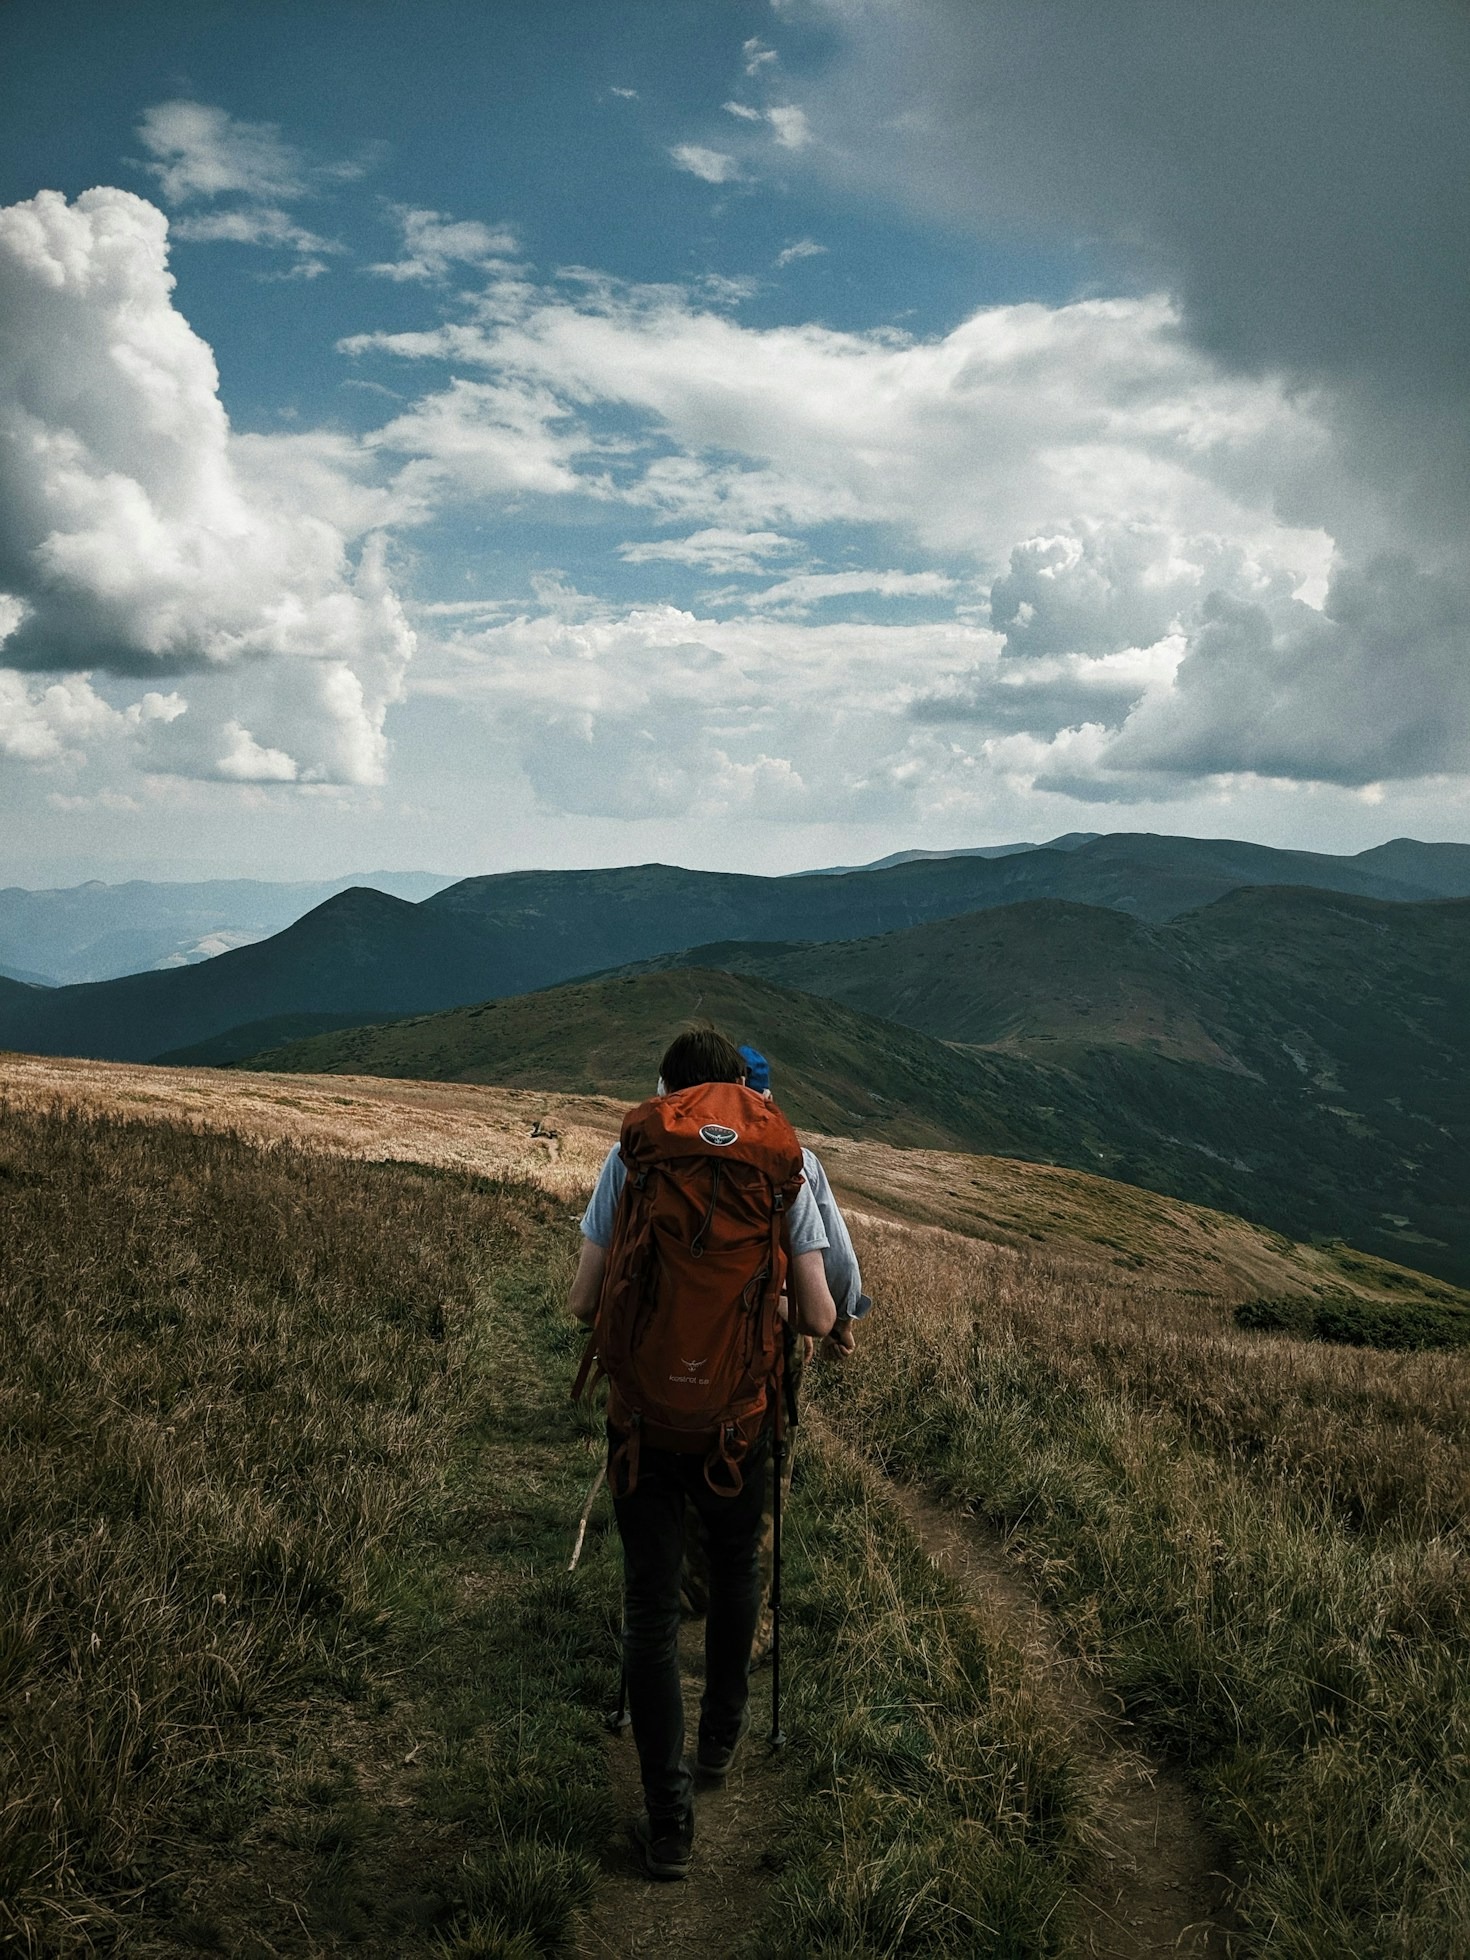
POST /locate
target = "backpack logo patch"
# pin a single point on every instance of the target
(719, 1133)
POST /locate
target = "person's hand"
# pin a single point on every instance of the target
(842, 1341)
(808, 1347)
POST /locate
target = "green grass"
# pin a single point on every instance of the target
(1258, 1542)
(285, 1657)
(289, 1658)
(942, 1810)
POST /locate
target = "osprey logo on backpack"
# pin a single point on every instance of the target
(720, 1134)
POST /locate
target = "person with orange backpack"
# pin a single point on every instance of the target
(699, 1222)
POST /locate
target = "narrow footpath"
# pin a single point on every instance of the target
(1160, 1887)
(735, 1826)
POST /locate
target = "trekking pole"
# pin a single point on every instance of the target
(620, 1719)
(586, 1514)
(778, 1458)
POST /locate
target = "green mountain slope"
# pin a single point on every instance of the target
(1299, 1057)
(1027, 975)
(837, 1070)
(362, 955)
(1442, 870)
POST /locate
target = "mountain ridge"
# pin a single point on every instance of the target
(515, 932)
(1302, 1058)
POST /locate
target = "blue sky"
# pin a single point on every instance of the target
(468, 436)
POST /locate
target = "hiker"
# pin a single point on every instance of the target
(839, 1260)
(845, 1282)
(713, 1169)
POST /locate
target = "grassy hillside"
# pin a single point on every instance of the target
(292, 1663)
(838, 1070)
(1256, 1541)
(1031, 974)
(1298, 1057)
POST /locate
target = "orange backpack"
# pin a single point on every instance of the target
(687, 1330)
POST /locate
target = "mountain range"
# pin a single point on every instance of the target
(1173, 1012)
(363, 955)
(1299, 1057)
(97, 931)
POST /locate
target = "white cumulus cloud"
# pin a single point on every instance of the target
(137, 539)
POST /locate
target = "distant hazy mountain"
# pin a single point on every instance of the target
(1069, 842)
(98, 932)
(1443, 869)
(363, 955)
(1300, 1057)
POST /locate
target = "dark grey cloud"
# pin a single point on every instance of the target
(1297, 171)
(1296, 174)
(1006, 701)
(1376, 685)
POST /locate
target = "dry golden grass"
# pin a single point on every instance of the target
(1257, 1543)
(1120, 1229)
(1260, 1543)
(1117, 1228)
(458, 1126)
(285, 1454)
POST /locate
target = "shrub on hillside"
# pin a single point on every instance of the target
(1406, 1325)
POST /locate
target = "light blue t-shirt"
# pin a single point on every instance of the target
(815, 1225)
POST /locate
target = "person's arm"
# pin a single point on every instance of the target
(839, 1261)
(816, 1311)
(597, 1232)
(587, 1285)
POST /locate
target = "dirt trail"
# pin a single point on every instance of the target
(1160, 1888)
(734, 1827)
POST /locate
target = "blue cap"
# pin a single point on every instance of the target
(757, 1069)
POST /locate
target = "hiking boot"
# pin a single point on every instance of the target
(714, 1758)
(666, 1844)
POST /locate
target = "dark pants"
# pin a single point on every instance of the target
(651, 1525)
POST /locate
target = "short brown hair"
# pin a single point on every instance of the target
(700, 1055)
